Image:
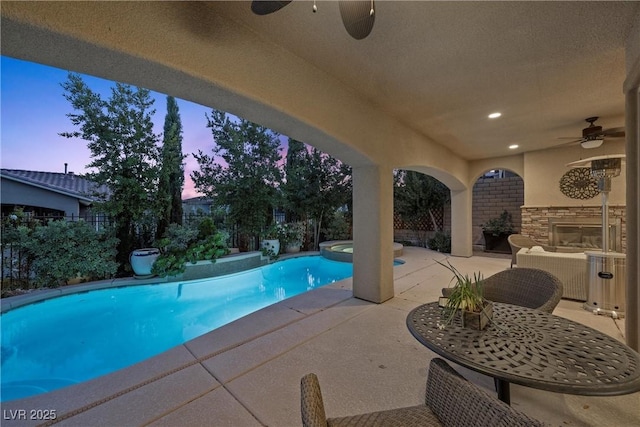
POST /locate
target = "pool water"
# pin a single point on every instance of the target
(71, 339)
(347, 248)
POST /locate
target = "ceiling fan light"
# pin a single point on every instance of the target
(592, 143)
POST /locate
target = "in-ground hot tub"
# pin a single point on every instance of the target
(342, 250)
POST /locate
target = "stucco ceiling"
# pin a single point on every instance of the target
(437, 67)
(442, 67)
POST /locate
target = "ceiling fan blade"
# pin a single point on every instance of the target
(574, 142)
(358, 17)
(267, 7)
(614, 132)
(577, 138)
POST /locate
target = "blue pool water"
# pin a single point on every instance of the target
(70, 339)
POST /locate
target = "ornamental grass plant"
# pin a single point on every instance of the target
(466, 294)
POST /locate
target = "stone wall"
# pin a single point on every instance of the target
(535, 219)
(492, 196)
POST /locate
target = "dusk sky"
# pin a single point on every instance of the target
(34, 112)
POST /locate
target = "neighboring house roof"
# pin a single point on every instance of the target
(200, 200)
(67, 184)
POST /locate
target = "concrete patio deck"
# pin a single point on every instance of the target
(247, 373)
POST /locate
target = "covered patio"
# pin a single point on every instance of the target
(248, 372)
(414, 95)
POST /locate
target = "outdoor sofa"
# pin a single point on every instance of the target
(570, 268)
(519, 241)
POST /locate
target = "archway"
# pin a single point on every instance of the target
(422, 211)
(496, 191)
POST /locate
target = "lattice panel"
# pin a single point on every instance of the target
(423, 223)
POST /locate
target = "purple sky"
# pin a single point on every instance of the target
(34, 112)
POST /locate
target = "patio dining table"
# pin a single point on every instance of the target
(534, 349)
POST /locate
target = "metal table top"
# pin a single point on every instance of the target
(532, 348)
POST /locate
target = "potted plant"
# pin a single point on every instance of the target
(496, 232)
(465, 299)
(142, 261)
(271, 240)
(293, 234)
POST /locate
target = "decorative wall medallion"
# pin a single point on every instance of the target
(578, 183)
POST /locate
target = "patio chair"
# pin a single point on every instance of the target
(526, 287)
(518, 241)
(450, 400)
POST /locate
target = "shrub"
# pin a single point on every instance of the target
(338, 227)
(181, 244)
(210, 248)
(440, 242)
(292, 233)
(206, 228)
(500, 225)
(177, 238)
(64, 250)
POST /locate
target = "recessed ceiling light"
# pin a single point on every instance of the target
(494, 115)
(513, 146)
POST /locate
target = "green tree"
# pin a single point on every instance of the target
(330, 184)
(124, 154)
(242, 173)
(416, 197)
(172, 171)
(296, 190)
(316, 186)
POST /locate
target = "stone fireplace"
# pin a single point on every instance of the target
(574, 226)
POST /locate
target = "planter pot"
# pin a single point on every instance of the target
(293, 248)
(496, 243)
(478, 320)
(271, 245)
(142, 260)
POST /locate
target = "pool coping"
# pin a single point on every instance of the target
(327, 252)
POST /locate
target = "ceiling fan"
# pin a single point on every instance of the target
(593, 136)
(357, 16)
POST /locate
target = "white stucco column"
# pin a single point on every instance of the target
(373, 233)
(631, 90)
(632, 321)
(461, 233)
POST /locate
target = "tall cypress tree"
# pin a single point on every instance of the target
(296, 190)
(172, 172)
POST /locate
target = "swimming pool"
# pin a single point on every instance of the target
(71, 339)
